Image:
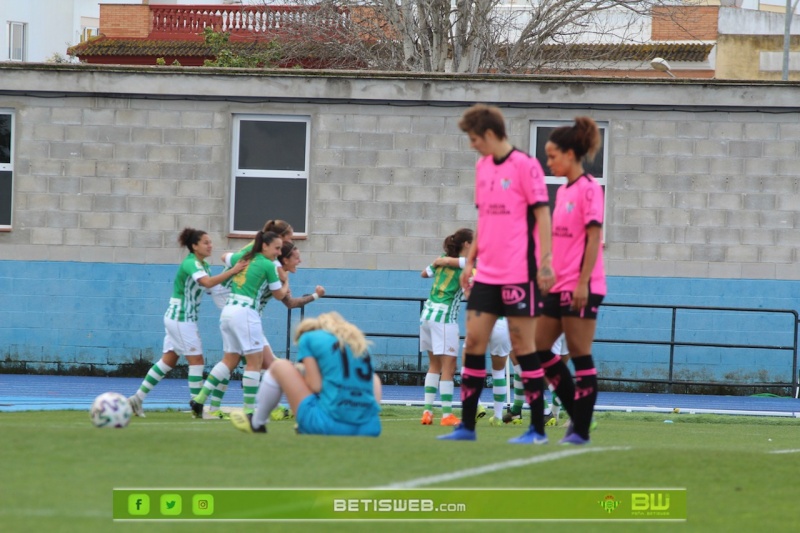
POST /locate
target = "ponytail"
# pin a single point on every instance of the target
(189, 237)
(583, 138)
(454, 243)
(281, 227)
(261, 239)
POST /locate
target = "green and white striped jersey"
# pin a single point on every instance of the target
(445, 299)
(234, 258)
(253, 286)
(186, 292)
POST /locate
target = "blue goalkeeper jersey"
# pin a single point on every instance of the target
(347, 395)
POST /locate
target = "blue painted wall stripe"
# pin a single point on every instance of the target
(110, 314)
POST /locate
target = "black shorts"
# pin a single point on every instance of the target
(518, 299)
(557, 305)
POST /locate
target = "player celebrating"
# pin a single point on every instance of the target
(513, 246)
(240, 321)
(438, 329)
(289, 259)
(182, 337)
(221, 293)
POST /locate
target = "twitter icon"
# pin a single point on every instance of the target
(171, 504)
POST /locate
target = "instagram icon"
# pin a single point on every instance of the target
(203, 504)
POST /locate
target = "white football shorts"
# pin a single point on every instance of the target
(500, 341)
(438, 338)
(183, 338)
(241, 330)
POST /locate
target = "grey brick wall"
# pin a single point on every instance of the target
(702, 186)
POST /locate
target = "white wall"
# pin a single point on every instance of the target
(55, 25)
(748, 22)
(52, 25)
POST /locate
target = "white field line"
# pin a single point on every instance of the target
(496, 467)
(54, 513)
(794, 450)
(634, 409)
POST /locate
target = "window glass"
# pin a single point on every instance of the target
(5, 138)
(16, 41)
(258, 200)
(272, 145)
(596, 168)
(6, 169)
(271, 171)
(540, 133)
(5, 198)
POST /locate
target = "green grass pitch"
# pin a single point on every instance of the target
(58, 471)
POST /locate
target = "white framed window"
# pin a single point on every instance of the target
(6, 168)
(270, 158)
(17, 41)
(88, 33)
(90, 27)
(540, 133)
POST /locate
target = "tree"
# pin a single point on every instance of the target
(226, 54)
(501, 36)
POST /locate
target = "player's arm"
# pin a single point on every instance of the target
(469, 264)
(278, 287)
(452, 262)
(228, 257)
(292, 303)
(211, 281)
(581, 294)
(312, 376)
(545, 277)
(279, 294)
(444, 261)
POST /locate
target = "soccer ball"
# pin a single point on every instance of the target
(111, 410)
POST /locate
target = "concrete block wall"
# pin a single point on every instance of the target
(134, 178)
(709, 197)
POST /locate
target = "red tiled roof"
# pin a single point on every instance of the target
(691, 52)
(307, 54)
(103, 46)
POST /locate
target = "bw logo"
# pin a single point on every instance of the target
(643, 501)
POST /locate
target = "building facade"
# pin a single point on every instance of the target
(101, 167)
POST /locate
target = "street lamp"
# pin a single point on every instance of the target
(787, 27)
(660, 64)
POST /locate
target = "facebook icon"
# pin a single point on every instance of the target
(138, 504)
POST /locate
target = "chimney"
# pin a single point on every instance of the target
(120, 21)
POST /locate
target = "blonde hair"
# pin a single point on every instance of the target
(344, 331)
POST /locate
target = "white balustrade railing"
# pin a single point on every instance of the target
(248, 19)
